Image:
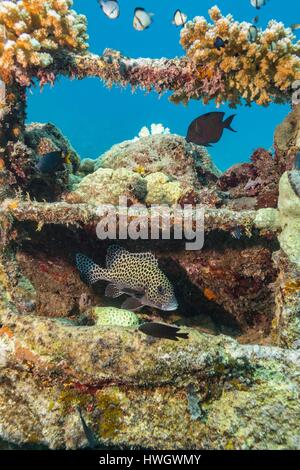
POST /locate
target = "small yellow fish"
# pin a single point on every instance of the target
(68, 160)
(140, 169)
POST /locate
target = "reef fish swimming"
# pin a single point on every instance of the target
(162, 330)
(135, 274)
(252, 33)
(179, 18)
(52, 162)
(208, 128)
(142, 19)
(110, 8)
(258, 3)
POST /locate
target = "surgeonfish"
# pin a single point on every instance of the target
(135, 274)
(52, 162)
(179, 18)
(162, 330)
(252, 33)
(142, 19)
(208, 128)
(258, 3)
(110, 8)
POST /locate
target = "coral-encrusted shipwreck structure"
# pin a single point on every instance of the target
(234, 384)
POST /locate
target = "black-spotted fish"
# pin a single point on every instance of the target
(163, 330)
(142, 19)
(179, 18)
(135, 274)
(52, 162)
(258, 3)
(208, 128)
(110, 8)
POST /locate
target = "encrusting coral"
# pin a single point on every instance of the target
(93, 188)
(260, 71)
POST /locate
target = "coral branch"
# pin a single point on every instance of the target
(63, 213)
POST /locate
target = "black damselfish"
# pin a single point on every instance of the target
(162, 330)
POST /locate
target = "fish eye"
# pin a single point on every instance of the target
(161, 290)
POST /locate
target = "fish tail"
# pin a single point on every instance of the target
(89, 270)
(228, 121)
(182, 335)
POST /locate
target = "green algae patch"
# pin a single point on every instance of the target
(111, 404)
(70, 398)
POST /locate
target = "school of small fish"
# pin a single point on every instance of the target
(142, 19)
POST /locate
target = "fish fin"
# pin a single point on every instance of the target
(113, 254)
(131, 304)
(87, 430)
(89, 270)
(112, 291)
(227, 123)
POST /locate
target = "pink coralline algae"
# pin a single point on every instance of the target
(257, 179)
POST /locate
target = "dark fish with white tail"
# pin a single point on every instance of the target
(258, 3)
(142, 19)
(208, 128)
(163, 330)
(179, 18)
(135, 274)
(110, 8)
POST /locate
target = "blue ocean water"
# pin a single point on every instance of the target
(94, 117)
